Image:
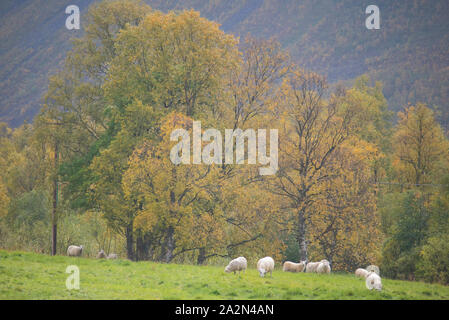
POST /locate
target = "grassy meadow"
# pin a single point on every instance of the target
(34, 276)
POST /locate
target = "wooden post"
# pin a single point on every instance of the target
(55, 204)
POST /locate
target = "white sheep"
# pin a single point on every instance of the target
(373, 268)
(101, 254)
(323, 267)
(112, 256)
(362, 273)
(293, 267)
(238, 264)
(312, 266)
(265, 265)
(373, 281)
(74, 251)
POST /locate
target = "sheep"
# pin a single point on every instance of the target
(312, 266)
(323, 267)
(265, 265)
(238, 264)
(101, 254)
(373, 281)
(362, 273)
(373, 268)
(74, 251)
(294, 267)
(112, 256)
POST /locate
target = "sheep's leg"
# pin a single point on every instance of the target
(271, 274)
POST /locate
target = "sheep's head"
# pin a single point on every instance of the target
(227, 269)
(262, 272)
(101, 254)
(373, 281)
(376, 285)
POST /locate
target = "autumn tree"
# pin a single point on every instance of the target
(312, 129)
(73, 116)
(415, 221)
(5, 148)
(107, 169)
(168, 62)
(345, 226)
(419, 144)
(254, 84)
(75, 99)
(184, 208)
(167, 197)
(173, 61)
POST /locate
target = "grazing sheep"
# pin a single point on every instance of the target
(112, 256)
(238, 264)
(373, 281)
(323, 267)
(312, 266)
(101, 254)
(373, 268)
(74, 251)
(294, 267)
(265, 265)
(362, 273)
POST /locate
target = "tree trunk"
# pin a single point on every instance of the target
(139, 247)
(142, 246)
(54, 229)
(169, 246)
(301, 236)
(130, 241)
(201, 256)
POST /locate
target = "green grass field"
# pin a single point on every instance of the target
(33, 276)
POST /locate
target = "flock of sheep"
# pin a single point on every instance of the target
(265, 265)
(77, 251)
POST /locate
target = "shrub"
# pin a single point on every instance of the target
(434, 263)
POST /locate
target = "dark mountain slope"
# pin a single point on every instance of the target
(409, 53)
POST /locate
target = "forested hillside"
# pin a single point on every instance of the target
(408, 54)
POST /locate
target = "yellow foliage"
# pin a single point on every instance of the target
(421, 150)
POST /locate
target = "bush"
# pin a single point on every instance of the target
(434, 263)
(399, 264)
(406, 233)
